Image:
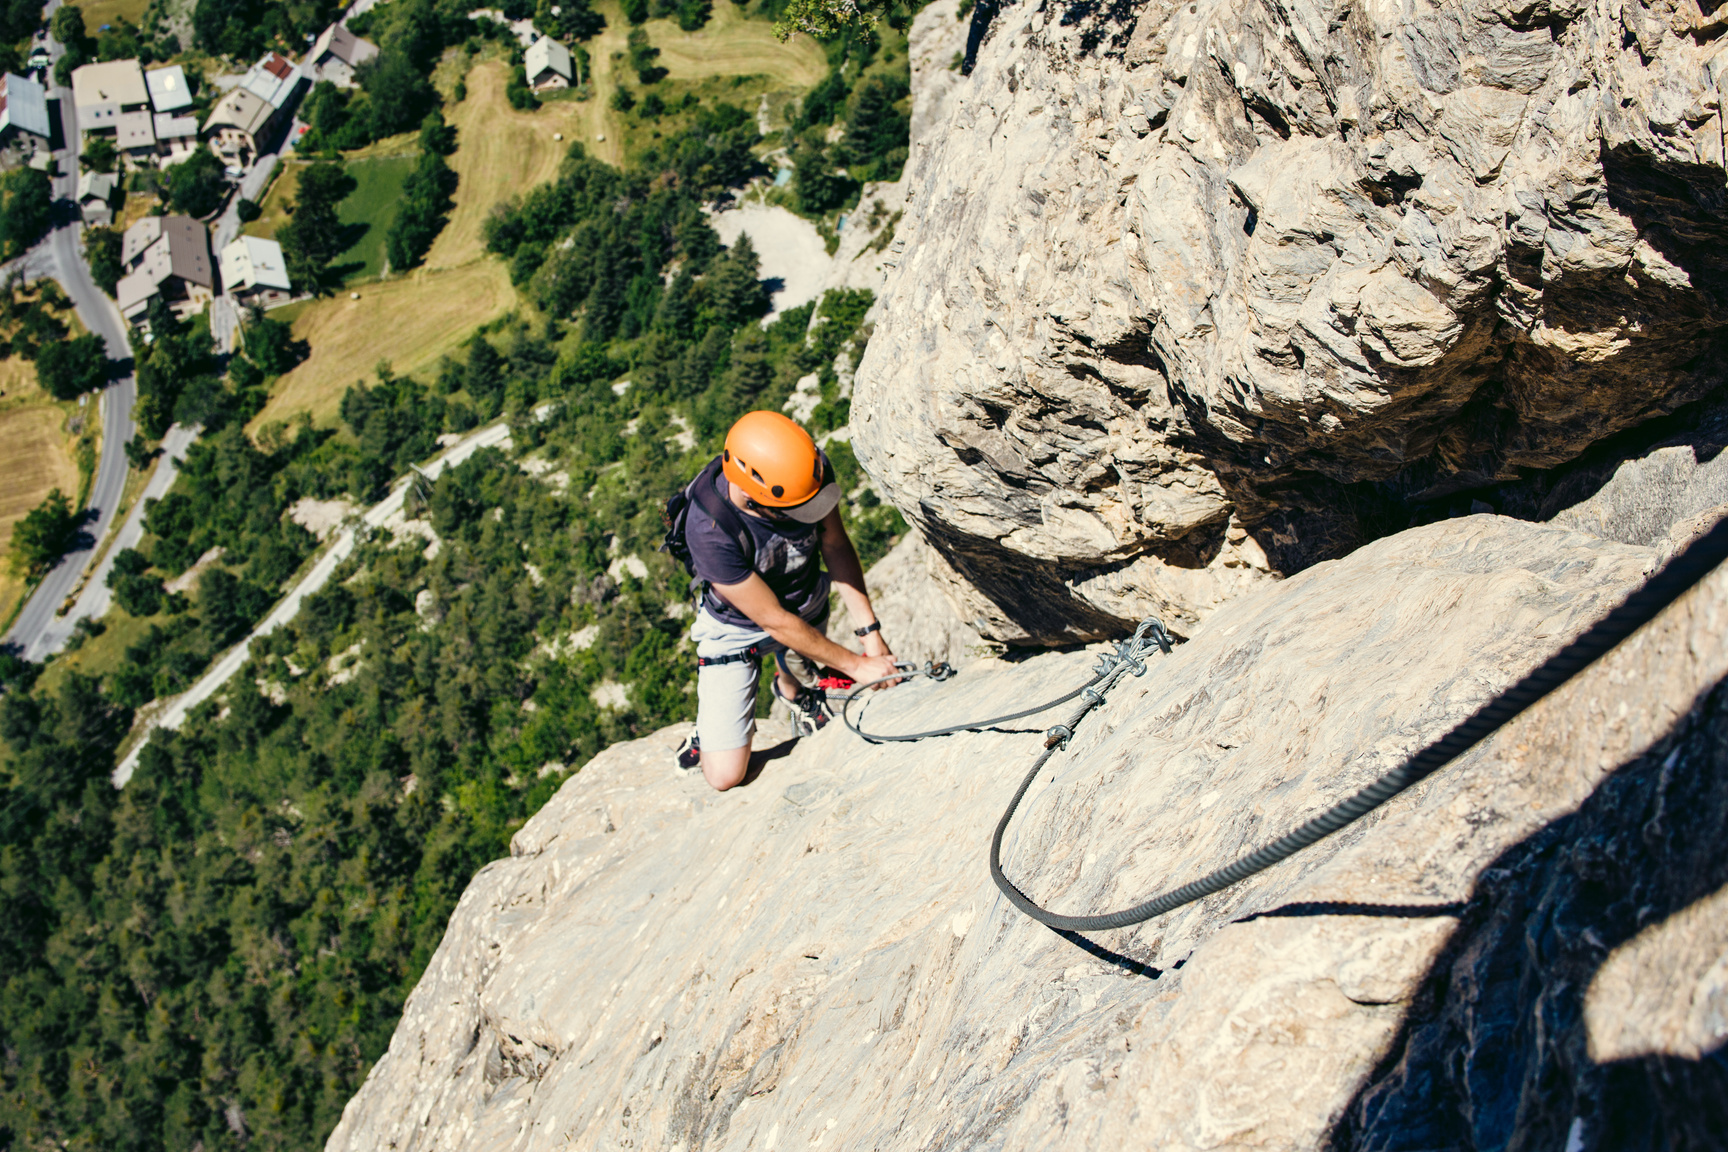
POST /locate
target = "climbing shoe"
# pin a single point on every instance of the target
(809, 708)
(690, 753)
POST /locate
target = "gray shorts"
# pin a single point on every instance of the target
(726, 693)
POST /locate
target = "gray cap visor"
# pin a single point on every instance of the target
(815, 509)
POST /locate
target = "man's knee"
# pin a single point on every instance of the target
(726, 769)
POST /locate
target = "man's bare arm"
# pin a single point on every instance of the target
(755, 599)
(843, 565)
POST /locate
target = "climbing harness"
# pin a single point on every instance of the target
(748, 654)
(1638, 609)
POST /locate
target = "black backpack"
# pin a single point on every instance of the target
(704, 490)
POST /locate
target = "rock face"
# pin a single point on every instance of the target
(820, 959)
(1194, 294)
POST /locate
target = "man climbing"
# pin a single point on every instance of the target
(756, 518)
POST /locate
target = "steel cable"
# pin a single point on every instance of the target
(941, 672)
(1638, 609)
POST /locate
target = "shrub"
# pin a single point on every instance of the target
(68, 368)
(26, 203)
(45, 534)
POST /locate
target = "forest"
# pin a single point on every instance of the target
(215, 954)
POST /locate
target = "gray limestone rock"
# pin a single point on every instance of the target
(1194, 294)
(819, 959)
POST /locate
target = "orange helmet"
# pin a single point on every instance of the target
(778, 466)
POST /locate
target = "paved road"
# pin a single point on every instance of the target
(225, 314)
(93, 602)
(339, 550)
(60, 256)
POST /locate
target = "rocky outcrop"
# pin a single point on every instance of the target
(820, 959)
(1196, 294)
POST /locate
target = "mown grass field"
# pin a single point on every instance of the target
(277, 196)
(409, 321)
(733, 45)
(500, 153)
(100, 12)
(414, 319)
(369, 210)
(35, 457)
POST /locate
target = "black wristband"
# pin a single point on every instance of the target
(873, 626)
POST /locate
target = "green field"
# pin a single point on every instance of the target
(370, 210)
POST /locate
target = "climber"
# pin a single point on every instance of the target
(749, 527)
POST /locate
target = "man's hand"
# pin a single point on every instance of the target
(867, 668)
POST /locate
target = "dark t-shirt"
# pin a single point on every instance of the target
(788, 557)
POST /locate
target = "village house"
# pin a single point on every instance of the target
(176, 137)
(24, 127)
(274, 79)
(236, 125)
(96, 196)
(547, 64)
(169, 91)
(335, 56)
(254, 272)
(167, 257)
(103, 93)
(243, 121)
(135, 135)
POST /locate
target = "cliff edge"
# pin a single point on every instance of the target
(1520, 949)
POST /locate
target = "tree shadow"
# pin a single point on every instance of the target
(336, 275)
(1494, 1052)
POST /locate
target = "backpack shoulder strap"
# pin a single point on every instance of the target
(705, 490)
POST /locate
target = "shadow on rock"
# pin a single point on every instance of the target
(1508, 1044)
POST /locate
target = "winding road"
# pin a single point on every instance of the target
(39, 631)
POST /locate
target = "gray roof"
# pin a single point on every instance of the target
(163, 246)
(23, 105)
(273, 79)
(338, 42)
(240, 109)
(96, 185)
(118, 83)
(546, 53)
(175, 127)
(253, 262)
(134, 130)
(168, 90)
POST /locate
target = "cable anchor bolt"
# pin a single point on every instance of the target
(1059, 735)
